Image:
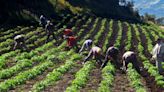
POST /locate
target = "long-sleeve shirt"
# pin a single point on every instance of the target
(95, 50)
(42, 20)
(49, 28)
(158, 51)
(19, 38)
(86, 45)
(68, 32)
(112, 51)
(128, 54)
(71, 41)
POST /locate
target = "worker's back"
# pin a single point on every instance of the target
(96, 50)
(71, 41)
(128, 54)
(19, 38)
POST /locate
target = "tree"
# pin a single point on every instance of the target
(150, 17)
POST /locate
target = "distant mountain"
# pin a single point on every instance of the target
(150, 6)
(160, 21)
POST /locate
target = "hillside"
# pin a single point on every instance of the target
(49, 67)
(28, 11)
(53, 67)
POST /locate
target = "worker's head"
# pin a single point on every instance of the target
(159, 40)
(89, 38)
(49, 22)
(41, 16)
(99, 45)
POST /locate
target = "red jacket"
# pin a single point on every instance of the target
(71, 41)
(68, 32)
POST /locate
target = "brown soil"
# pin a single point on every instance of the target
(144, 43)
(104, 34)
(94, 80)
(114, 34)
(123, 39)
(96, 29)
(29, 83)
(66, 79)
(40, 44)
(134, 48)
(121, 83)
(147, 80)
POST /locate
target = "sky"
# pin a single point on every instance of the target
(155, 7)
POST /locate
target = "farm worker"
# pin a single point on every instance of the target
(95, 53)
(112, 53)
(49, 30)
(71, 42)
(86, 45)
(43, 21)
(158, 54)
(19, 42)
(130, 57)
(68, 32)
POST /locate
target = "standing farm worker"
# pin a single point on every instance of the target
(95, 53)
(86, 45)
(19, 42)
(130, 57)
(71, 42)
(112, 54)
(43, 21)
(49, 30)
(158, 54)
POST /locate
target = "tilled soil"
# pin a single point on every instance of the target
(114, 33)
(144, 43)
(151, 85)
(29, 83)
(134, 48)
(104, 34)
(94, 80)
(66, 79)
(123, 38)
(121, 83)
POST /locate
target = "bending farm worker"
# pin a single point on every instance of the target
(68, 32)
(95, 53)
(71, 42)
(130, 57)
(49, 31)
(158, 55)
(19, 42)
(86, 45)
(112, 54)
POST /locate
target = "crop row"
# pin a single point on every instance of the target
(6, 46)
(147, 65)
(48, 54)
(57, 73)
(134, 77)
